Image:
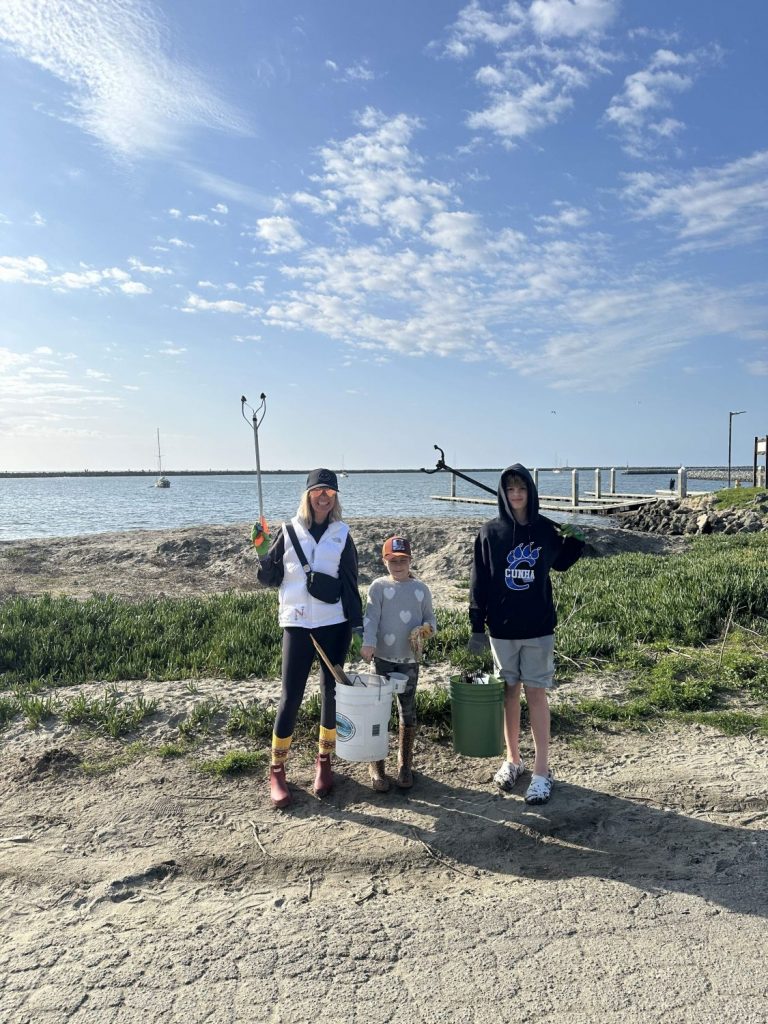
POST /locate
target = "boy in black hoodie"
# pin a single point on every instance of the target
(511, 593)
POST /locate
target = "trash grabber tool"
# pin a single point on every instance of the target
(260, 532)
(441, 464)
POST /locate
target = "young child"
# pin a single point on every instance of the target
(398, 618)
(511, 593)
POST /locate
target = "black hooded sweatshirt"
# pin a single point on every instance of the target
(510, 588)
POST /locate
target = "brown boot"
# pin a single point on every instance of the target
(279, 793)
(405, 757)
(323, 775)
(378, 774)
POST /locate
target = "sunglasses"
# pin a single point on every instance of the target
(327, 491)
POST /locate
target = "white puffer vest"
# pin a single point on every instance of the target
(297, 606)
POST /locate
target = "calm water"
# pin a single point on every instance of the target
(66, 506)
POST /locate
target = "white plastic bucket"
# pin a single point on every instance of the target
(362, 717)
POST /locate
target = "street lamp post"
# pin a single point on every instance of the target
(730, 430)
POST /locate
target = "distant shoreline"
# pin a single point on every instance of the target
(694, 472)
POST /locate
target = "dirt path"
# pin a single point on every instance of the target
(156, 893)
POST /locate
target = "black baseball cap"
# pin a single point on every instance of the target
(322, 478)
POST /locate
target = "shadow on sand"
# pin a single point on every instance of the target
(579, 833)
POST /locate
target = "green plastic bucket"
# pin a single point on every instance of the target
(477, 716)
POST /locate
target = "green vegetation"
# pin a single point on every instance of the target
(202, 718)
(689, 631)
(256, 720)
(234, 762)
(36, 709)
(111, 714)
(739, 497)
(110, 762)
(169, 750)
(59, 641)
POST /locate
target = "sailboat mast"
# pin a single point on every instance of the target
(159, 460)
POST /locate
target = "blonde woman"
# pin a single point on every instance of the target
(330, 613)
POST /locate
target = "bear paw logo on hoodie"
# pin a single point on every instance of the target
(517, 578)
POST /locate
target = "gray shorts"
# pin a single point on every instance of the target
(531, 662)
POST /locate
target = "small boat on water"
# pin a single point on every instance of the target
(162, 481)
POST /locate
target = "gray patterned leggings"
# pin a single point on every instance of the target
(405, 700)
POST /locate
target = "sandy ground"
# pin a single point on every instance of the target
(153, 892)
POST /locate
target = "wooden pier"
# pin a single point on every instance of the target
(604, 506)
(593, 503)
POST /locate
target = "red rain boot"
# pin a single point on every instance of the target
(279, 793)
(323, 775)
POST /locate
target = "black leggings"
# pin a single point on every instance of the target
(298, 655)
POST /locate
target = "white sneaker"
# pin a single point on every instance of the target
(540, 789)
(506, 777)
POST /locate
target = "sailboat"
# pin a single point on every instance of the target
(162, 481)
(342, 471)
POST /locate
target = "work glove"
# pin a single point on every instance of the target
(261, 539)
(478, 643)
(356, 644)
(569, 530)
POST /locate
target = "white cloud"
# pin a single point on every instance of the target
(513, 115)
(197, 304)
(459, 233)
(552, 18)
(360, 71)
(38, 220)
(531, 83)
(317, 204)
(204, 218)
(125, 89)
(134, 288)
(707, 208)
(374, 177)
(31, 382)
(34, 270)
(177, 243)
(758, 368)
(634, 111)
(142, 268)
(23, 269)
(172, 350)
(176, 214)
(235, 191)
(220, 208)
(280, 233)
(566, 216)
(476, 25)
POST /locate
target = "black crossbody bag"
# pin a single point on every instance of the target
(319, 584)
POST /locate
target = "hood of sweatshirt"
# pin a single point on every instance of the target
(505, 512)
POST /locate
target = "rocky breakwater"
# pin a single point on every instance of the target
(696, 516)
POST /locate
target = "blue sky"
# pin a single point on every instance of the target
(521, 230)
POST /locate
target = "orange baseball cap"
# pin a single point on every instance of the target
(396, 546)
